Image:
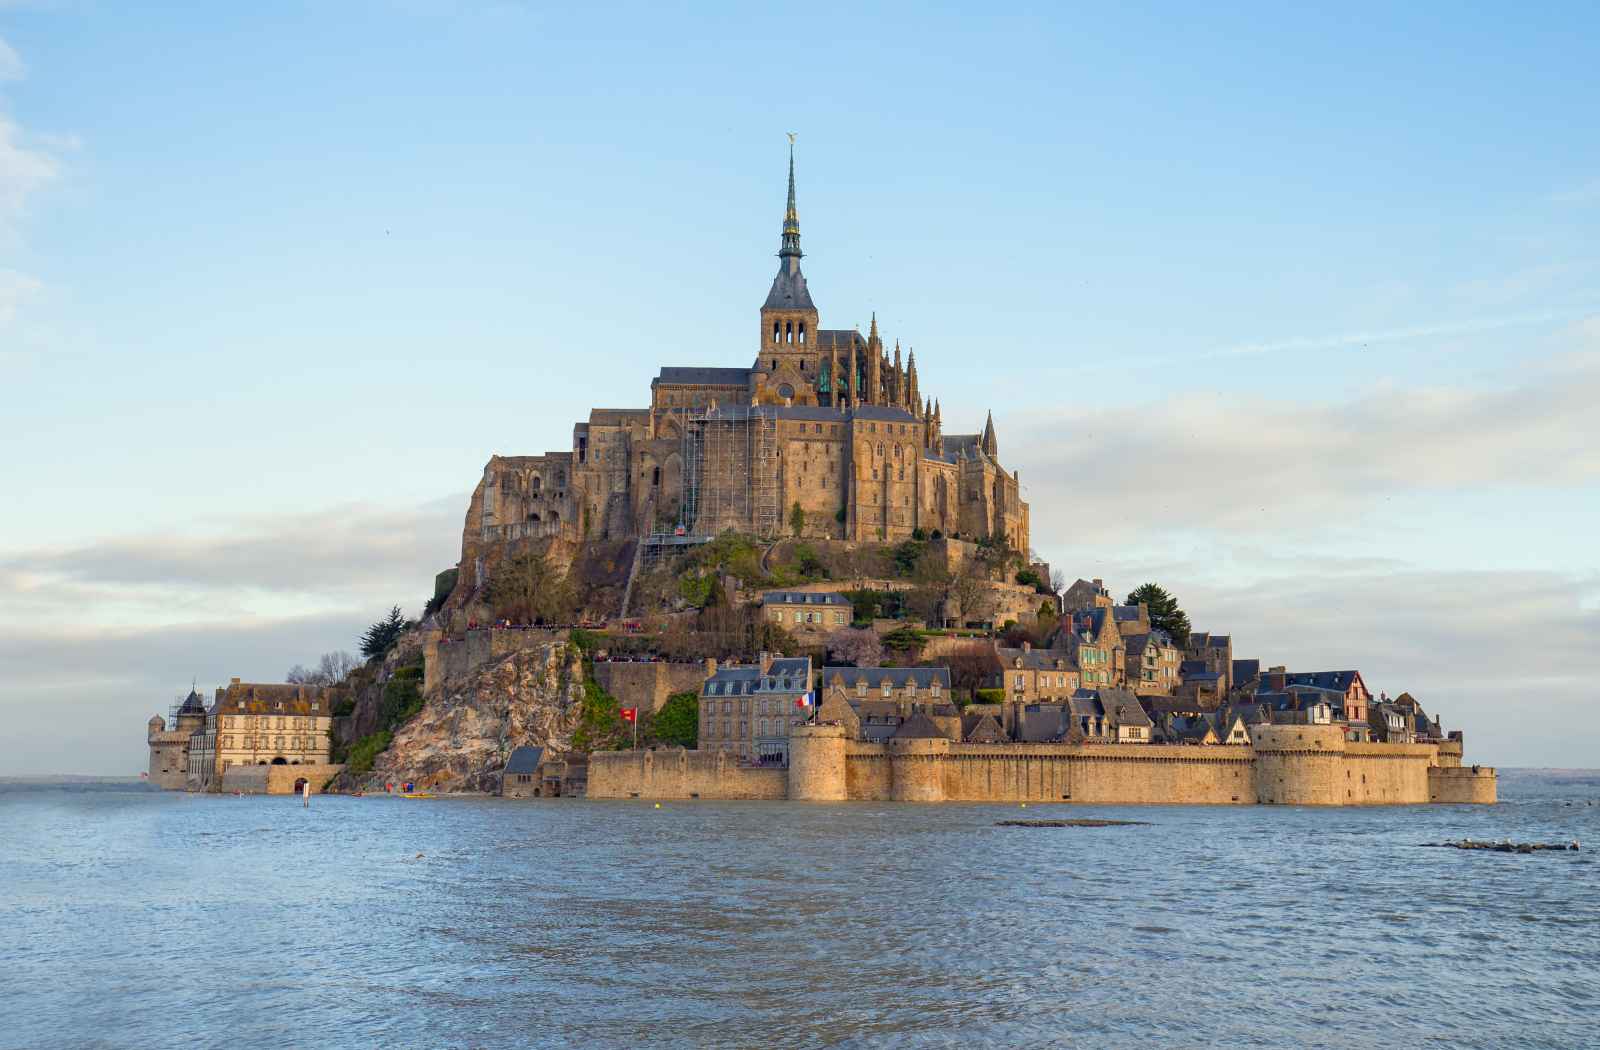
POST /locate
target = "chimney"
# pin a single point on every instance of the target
(766, 661)
(711, 666)
(234, 681)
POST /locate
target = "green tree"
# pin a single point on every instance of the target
(677, 724)
(1164, 611)
(381, 636)
(526, 588)
(797, 518)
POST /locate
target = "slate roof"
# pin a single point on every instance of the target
(1124, 613)
(1339, 680)
(897, 677)
(192, 704)
(803, 598)
(918, 727)
(788, 676)
(986, 731)
(1244, 670)
(524, 760)
(703, 376)
(884, 412)
(789, 290)
(1035, 659)
(1123, 708)
(1044, 723)
(839, 337)
(273, 699)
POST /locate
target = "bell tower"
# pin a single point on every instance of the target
(788, 317)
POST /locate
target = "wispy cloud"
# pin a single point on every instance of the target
(11, 67)
(346, 557)
(24, 170)
(1208, 463)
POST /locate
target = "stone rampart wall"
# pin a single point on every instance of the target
(1302, 766)
(681, 774)
(1476, 785)
(647, 685)
(460, 656)
(276, 780)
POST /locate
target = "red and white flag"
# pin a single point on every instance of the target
(630, 714)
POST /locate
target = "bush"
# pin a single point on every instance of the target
(1029, 578)
(366, 751)
(906, 556)
(989, 696)
(677, 724)
(600, 724)
(808, 564)
(344, 707)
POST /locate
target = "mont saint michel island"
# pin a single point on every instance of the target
(788, 576)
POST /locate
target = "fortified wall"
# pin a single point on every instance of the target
(277, 780)
(1286, 765)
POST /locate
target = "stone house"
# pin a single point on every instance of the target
(272, 724)
(807, 611)
(1086, 594)
(1091, 640)
(1153, 661)
(747, 709)
(873, 702)
(522, 777)
(1349, 683)
(1215, 653)
(1029, 675)
(1197, 683)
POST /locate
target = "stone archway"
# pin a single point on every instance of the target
(299, 785)
(280, 761)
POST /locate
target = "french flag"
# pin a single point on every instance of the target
(804, 700)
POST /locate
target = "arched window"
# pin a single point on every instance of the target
(785, 390)
(561, 479)
(536, 484)
(777, 332)
(788, 332)
(533, 515)
(655, 476)
(802, 333)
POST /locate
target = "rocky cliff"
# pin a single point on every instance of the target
(469, 725)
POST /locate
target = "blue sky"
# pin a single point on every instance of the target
(1296, 312)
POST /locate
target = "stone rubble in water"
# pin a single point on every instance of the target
(1507, 846)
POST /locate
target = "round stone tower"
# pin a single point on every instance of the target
(917, 767)
(816, 763)
(1298, 765)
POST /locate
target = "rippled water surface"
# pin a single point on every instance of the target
(133, 918)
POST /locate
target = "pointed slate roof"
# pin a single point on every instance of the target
(987, 731)
(789, 287)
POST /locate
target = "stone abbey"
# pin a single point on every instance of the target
(827, 432)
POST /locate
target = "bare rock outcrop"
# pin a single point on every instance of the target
(468, 727)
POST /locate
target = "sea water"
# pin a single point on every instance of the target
(136, 918)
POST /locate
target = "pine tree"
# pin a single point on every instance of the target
(381, 636)
(1164, 611)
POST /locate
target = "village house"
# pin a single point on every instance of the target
(1028, 674)
(747, 709)
(521, 777)
(1214, 652)
(1091, 640)
(805, 612)
(1154, 662)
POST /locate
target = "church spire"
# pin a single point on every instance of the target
(791, 218)
(989, 444)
